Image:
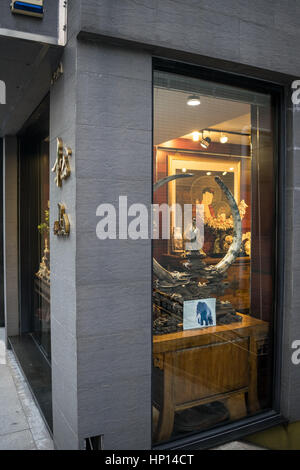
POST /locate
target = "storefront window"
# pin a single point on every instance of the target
(213, 254)
(42, 275)
(32, 345)
(34, 240)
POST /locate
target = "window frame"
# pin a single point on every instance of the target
(278, 92)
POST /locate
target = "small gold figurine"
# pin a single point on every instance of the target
(44, 271)
(61, 226)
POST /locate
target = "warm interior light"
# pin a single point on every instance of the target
(231, 169)
(183, 170)
(223, 139)
(193, 100)
(224, 173)
(208, 173)
(196, 136)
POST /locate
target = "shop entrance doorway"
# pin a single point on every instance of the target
(34, 230)
(33, 345)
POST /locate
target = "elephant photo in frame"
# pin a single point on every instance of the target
(199, 313)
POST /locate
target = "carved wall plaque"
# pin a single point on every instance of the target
(61, 226)
(62, 164)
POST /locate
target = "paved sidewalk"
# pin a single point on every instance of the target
(21, 424)
(238, 445)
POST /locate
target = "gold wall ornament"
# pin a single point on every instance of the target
(62, 164)
(61, 226)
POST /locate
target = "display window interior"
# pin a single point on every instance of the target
(35, 240)
(214, 152)
(32, 346)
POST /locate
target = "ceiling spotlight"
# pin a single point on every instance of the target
(205, 143)
(208, 173)
(193, 100)
(223, 139)
(231, 169)
(196, 136)
(224, 173)
(183, 170)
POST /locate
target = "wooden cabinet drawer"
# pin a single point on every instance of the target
(205, 371)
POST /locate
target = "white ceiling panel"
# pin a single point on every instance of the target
(173, 118)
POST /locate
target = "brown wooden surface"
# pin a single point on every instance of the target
(211, 334)
(204, 365)
(210, 370)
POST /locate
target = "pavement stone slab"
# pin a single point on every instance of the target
(238, 445)
(12, 421)
(21, 440)
(21, 424)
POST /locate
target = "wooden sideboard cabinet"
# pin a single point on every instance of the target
(195, 367)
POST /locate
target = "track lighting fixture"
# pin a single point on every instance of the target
(193, 100)
(205, 142)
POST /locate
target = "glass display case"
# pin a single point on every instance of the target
(214, 189)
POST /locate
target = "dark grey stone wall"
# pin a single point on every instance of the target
(101, 290)
(290, 384)
(113, 157)
(63, 106)
(260, 33)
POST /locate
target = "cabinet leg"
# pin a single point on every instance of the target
(237, 406)
(253, 403)
(167, 411)
(165, 424)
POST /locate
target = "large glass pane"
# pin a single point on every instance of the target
(34, 241)
(213, 254)
(42, 324)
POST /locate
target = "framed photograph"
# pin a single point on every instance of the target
(199, 313)
(202, 187)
